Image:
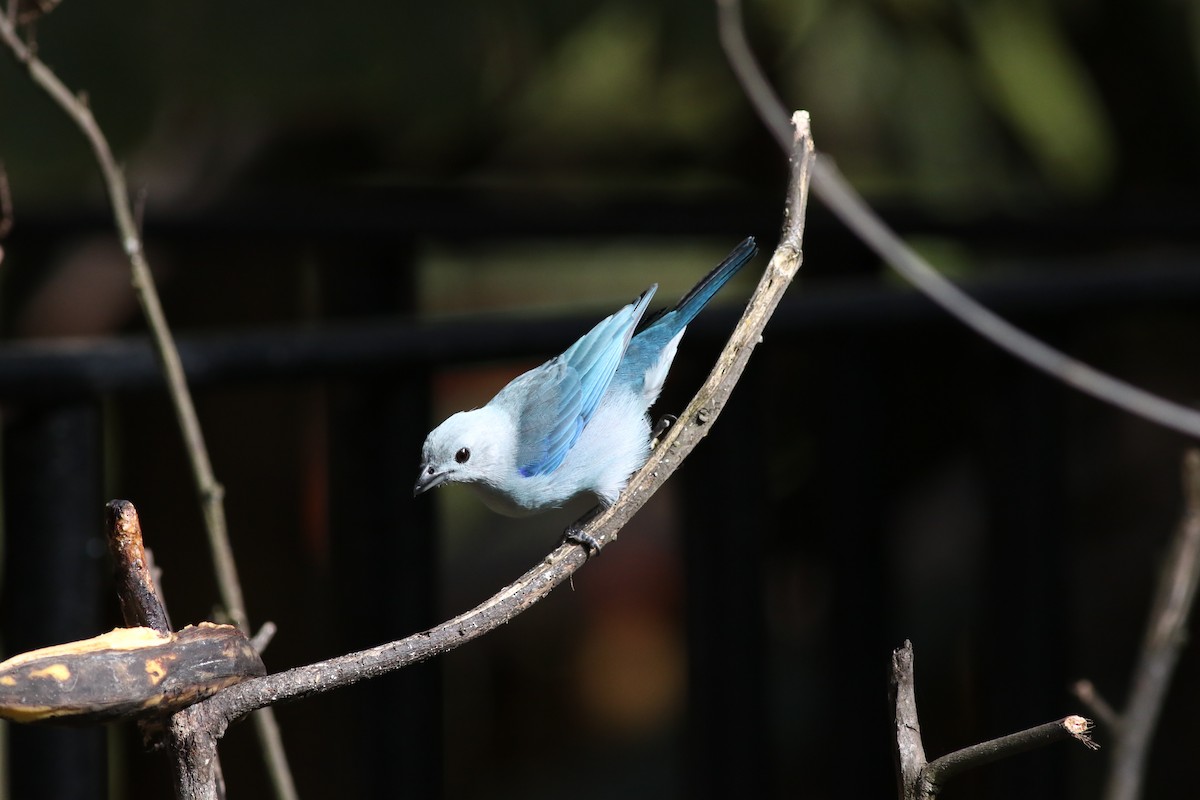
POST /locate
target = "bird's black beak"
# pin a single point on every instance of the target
(428, 479)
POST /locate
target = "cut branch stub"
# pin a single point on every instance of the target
(140, 602)
(124, 674)
(909, 749)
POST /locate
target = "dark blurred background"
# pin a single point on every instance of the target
(365, 216)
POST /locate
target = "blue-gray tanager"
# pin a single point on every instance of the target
(576, 424)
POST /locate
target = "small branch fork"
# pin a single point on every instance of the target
(922, 780)
(141, 605)
(1166, 634)
(217, 712)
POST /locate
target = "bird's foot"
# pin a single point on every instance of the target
(663, 425)
(577, 535)
(576, 532)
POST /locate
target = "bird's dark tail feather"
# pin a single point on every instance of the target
(702, 292)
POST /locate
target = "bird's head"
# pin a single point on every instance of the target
(467, 448)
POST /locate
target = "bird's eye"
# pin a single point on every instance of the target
(429, 471)
(462, 455)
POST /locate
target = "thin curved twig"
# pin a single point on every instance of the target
(829, 186)
(211, 493)
(218, 711)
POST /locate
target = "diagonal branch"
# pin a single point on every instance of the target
(937, 772)
(1166, 634)
(211, 493)
(835, 192)
(227, 706)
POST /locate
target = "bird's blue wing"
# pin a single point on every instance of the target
(648, 346)
(553, 403)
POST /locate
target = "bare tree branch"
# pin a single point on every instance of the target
(1091, 698)
(264, 636)
(910, 750)
(198, 727)
(210, 492)
(697, 418)
(921, 780)
(1166, 634)
(229, 705)
(937, 772)
(835, 192)
(194, 751)
(141, 604)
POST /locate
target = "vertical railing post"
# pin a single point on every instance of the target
(54, 567)
(383, 549)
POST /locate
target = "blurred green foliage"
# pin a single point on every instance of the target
(956, 105)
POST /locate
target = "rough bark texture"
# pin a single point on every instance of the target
(123, 674)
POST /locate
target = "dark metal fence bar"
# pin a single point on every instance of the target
(378, 363)
(46, 369)
(53, 563)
